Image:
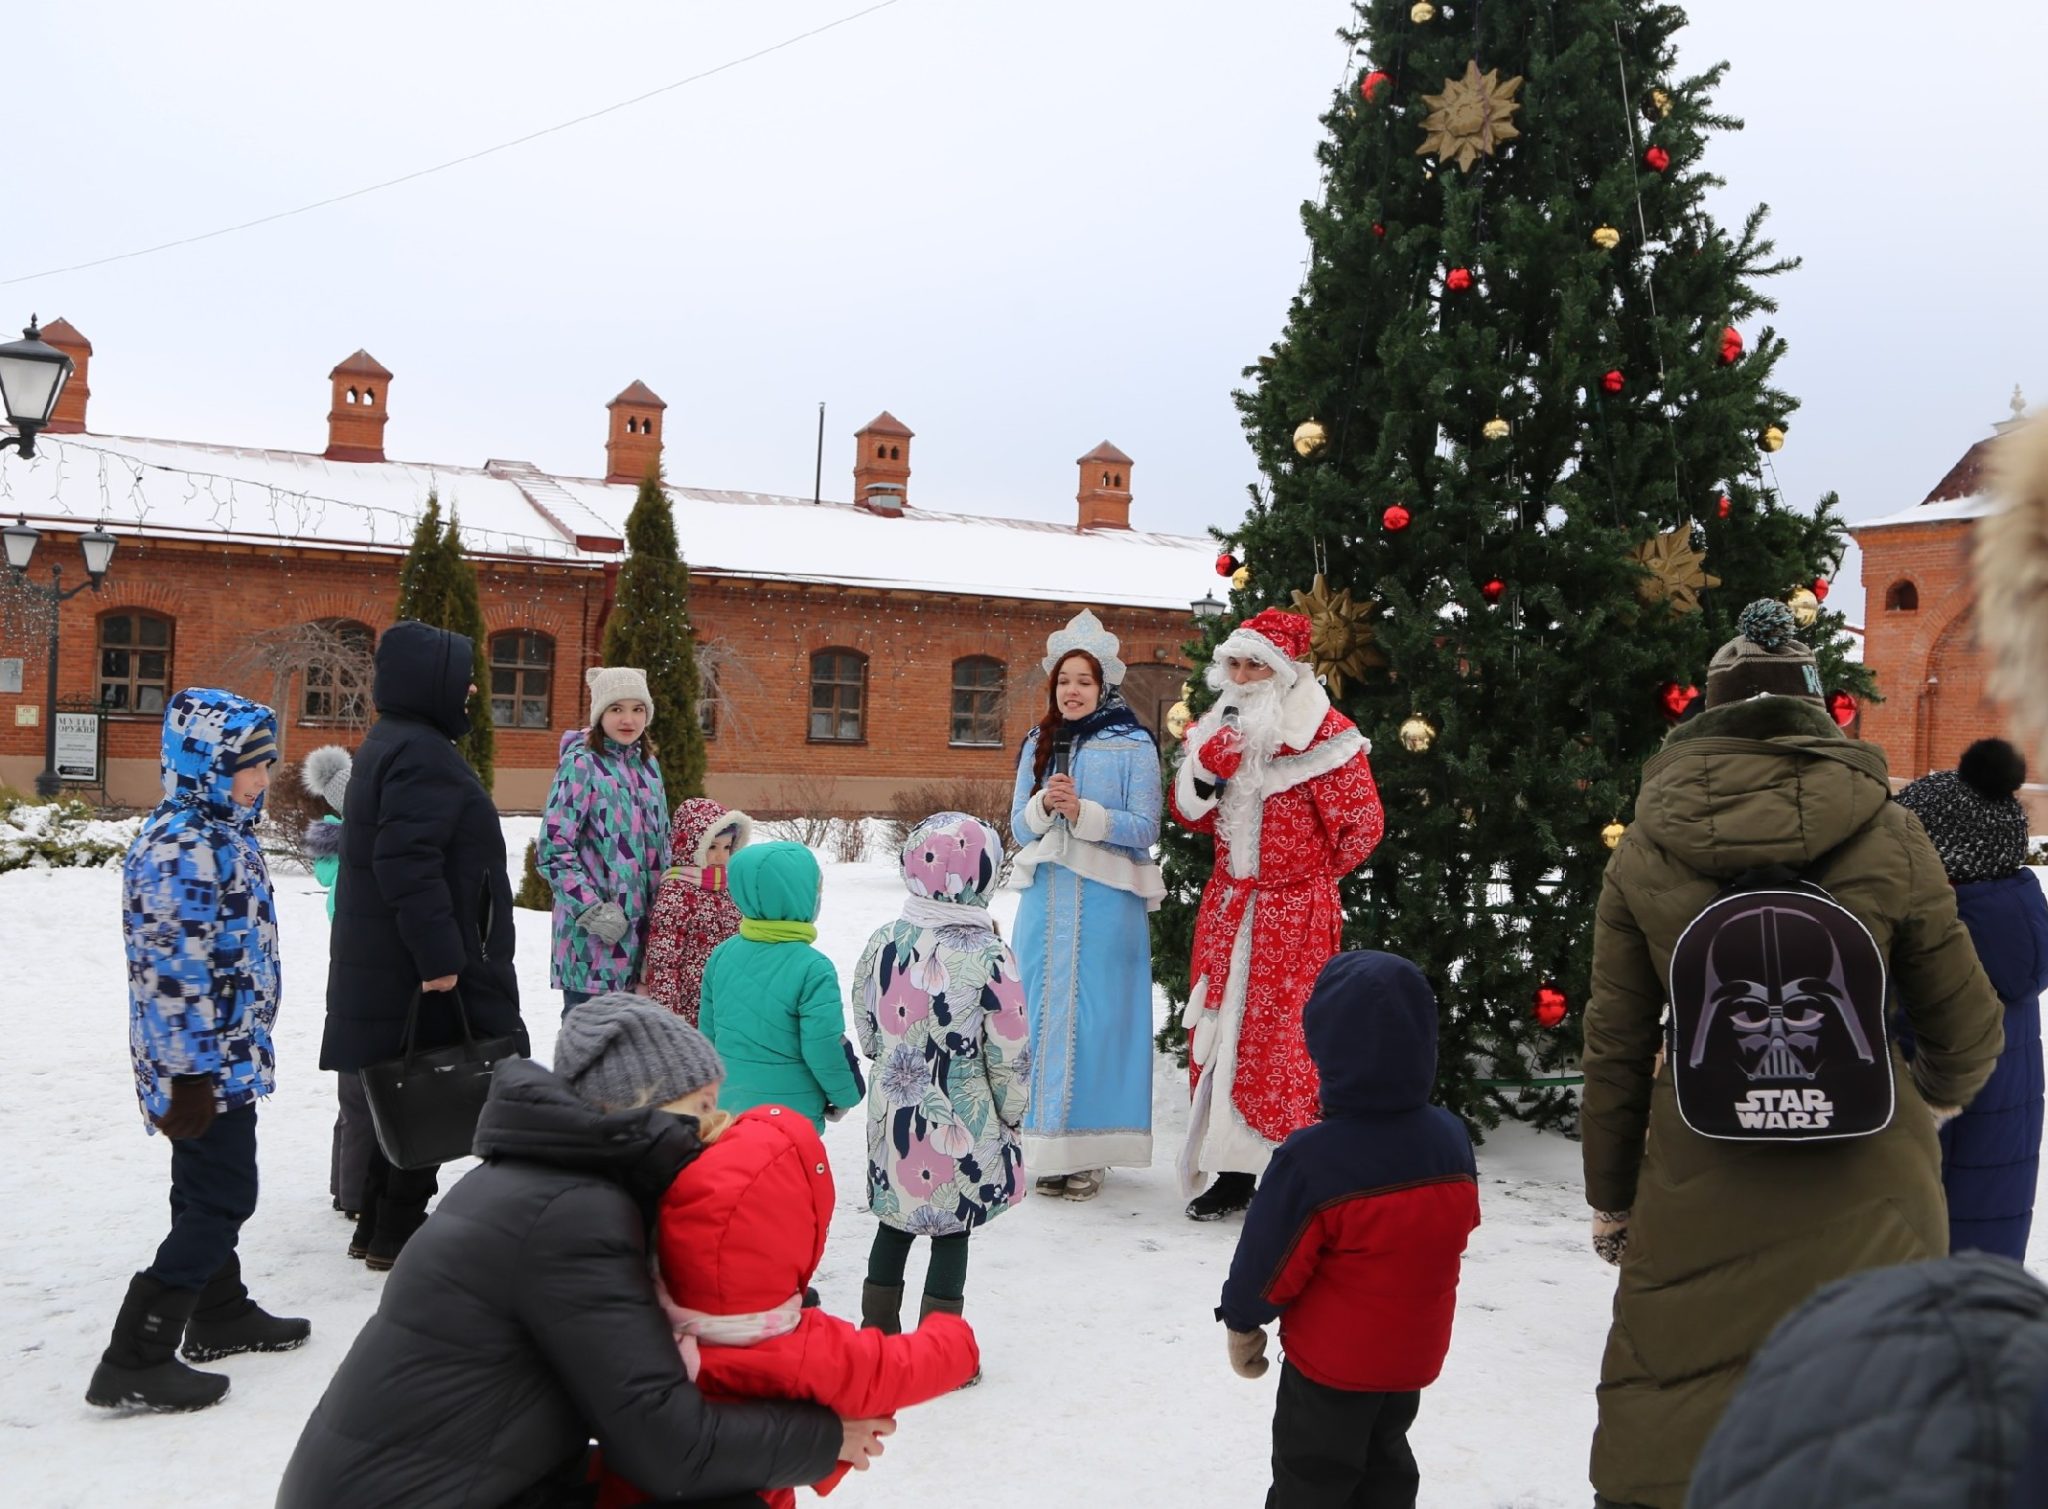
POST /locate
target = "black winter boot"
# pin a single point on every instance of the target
(396, 1222)
(931, 1305)
(1229, 1192)
(227, 1321)
(881, 1308)
(140, 1365)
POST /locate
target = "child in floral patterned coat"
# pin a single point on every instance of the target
(938, 1001)
(604, 839)
(694, 911)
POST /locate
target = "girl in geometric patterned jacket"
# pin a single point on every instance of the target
(604, 840)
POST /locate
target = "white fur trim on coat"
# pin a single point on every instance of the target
(736, 822)
(1091, 860)
(1036, 818)
(1246, 645)
(1220, 1140)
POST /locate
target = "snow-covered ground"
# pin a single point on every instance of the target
(1106, 1378)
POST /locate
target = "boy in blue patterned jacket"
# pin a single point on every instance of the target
(201, 934)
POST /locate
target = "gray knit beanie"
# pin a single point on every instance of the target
(1972, 812)
(620, 1052)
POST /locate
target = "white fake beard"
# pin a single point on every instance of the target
(1259, 716)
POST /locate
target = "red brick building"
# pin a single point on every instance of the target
(862, 648)
(1920, 637)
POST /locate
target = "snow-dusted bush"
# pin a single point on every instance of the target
(59, 835)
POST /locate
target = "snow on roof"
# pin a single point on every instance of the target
(1973, 507)
(191, 490)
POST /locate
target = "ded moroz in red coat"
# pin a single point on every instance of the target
(693, 911)
(740, 1233)
(1285, 833)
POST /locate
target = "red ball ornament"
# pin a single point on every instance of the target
(1676, 697)
(1370, 86)
(1613, 381)
(1658, 159)
(1458, 279)
(1226, 564)
(1842, 708)
(1724, 506)
(1731, 345)
(1551, 1006)
(1492, 590)
(1820, 588)
(1395, 518)
(1379, 230)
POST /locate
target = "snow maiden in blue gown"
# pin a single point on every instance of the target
(1082, 935)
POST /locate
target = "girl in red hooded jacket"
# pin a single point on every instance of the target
(740, 1234)
(693, 912)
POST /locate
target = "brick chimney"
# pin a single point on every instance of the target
(1105, 496)
(69, 419)
(355, 424)
(634, 447)
(881, 464)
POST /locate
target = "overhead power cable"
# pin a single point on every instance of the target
(468, 157)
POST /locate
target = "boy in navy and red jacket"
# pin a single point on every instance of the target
(1354, 1241)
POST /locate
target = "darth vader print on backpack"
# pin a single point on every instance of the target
(1777, 1017)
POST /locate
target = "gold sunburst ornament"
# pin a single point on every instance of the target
(1470, 117)
(1340, 634)
(1674, 570)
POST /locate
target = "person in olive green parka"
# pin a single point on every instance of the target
(771, 1002)
(1717, 1240)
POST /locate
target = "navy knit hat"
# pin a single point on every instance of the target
(1978, 826)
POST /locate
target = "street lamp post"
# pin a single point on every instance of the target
(32, 377)
(1206, 607)
(98, 547)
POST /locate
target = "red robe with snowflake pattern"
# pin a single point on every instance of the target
(1277, 862)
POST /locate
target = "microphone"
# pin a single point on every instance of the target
(1228, 717)
(1062, 754)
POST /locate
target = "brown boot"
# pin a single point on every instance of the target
(932, 1305)
(881, 1308)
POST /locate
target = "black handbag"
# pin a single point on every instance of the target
(424, 1104)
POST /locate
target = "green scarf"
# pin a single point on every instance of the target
(777, 932)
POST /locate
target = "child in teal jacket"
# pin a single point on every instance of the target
(771, 1002)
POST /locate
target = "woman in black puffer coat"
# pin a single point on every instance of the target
(422, 902)
(522, 1323)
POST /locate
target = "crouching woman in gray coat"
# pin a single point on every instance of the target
(521, 1322)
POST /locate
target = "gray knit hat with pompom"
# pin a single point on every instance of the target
(1764, 658)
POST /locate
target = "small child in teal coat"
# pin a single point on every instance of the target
(771, 1002)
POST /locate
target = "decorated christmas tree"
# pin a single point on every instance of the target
(650, 628)
(437, 585)
(1516, 444)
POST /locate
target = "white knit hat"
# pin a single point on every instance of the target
(616, 683)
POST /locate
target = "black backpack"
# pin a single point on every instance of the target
(1778, 1016)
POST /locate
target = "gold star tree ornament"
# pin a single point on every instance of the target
(1340, 634)
(1470, 117)
(1674, 570)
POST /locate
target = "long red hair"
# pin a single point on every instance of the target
(1049, 725)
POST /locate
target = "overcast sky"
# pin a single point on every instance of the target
(1021, 228)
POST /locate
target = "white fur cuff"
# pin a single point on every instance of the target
(1036, 818)
(1093, 823)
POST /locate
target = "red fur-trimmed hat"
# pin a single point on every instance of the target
(1273, 637)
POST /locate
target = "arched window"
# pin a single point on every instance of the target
(895, 453)
(881, 453)
(978, 701)
(369, 395)
(522, 678)
(1902, 597)
(839, 686)
(338, 671)
(135, 661)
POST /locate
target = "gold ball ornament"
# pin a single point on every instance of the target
(1309, 437)
(1178, 717)
(1609, 835)
(1804, 605)
(1660, 102)
(1422, 12)
(1772, 439)
(1607, 238)
(1495, 429)
(1417, 734)
(1240, 578)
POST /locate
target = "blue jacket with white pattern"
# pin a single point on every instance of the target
(197, 914)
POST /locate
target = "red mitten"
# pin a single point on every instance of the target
(1222, 753)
